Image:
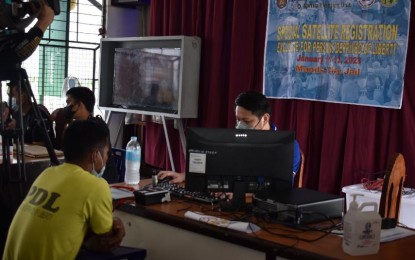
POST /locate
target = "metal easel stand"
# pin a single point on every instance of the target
(182, 139)
(166, 135)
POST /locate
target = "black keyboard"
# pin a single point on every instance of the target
(181, 192)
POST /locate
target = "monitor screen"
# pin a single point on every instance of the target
(155, 74)
(150, 75)
(224, 160)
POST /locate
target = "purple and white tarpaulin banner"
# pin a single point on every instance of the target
(339, 51)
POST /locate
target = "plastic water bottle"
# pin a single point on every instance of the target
(132, 161)
(361, 229)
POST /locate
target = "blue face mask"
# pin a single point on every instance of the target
(242, 125)
(14, 104)
(101, 172)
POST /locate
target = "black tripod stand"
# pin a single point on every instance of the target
(19, 75)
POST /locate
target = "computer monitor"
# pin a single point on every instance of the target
(239, 161)
(156, 75)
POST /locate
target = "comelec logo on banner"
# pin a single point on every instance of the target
(340, 51)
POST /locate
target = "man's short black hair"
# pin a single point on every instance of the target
(81, 137)
(84, 95)
(253, 101)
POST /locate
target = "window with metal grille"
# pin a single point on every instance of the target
(70, 48)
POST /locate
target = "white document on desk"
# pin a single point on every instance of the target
(387, 235)
(120, 194)
(220, 222)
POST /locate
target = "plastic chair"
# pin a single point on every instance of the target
(390, 199)
(121, 252)
(298, 178)
(118, 156)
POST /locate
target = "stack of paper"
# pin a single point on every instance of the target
(37, 151)
(220, 222)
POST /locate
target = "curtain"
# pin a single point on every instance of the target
(342, 143)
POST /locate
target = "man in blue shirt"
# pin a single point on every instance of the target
(252, 111)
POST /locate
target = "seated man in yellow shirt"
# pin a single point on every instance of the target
(68, 205)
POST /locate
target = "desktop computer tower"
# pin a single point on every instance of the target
(299, 206)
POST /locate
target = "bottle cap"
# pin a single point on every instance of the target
(154, 180)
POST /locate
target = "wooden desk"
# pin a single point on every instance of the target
(166, 234)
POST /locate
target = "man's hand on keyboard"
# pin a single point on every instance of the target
(175, 177)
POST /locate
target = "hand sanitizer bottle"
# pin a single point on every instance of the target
(361, 229)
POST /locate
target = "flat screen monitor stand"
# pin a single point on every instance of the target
(238, 201)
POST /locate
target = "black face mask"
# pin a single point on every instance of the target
(68, 112)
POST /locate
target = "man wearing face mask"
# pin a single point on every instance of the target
(80, 102)
(67, 205)
(33, 130)
(80, 106)
(252, 112)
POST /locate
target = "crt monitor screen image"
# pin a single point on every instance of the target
(154, 73)
(217, 158)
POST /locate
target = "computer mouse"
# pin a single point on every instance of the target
(165, 179)
(160, 180)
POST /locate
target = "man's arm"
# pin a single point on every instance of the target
(108, 241)
(17, 48)
(176, 177)
(45, 16)
(32, 38)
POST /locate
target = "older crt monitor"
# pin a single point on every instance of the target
(150, 75)
(235, 160)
